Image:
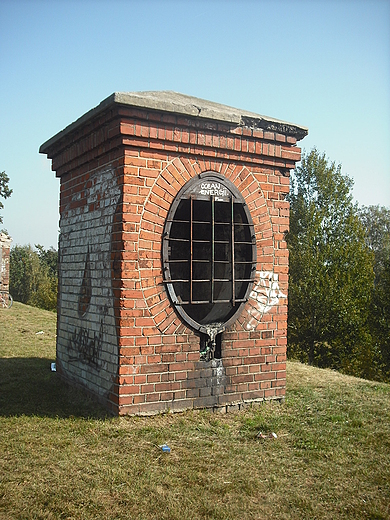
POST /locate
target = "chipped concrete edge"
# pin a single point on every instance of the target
(182, 104)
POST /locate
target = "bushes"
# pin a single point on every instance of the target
(33, 276)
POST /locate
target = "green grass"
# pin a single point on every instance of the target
(61, 457)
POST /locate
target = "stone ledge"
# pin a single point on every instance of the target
(182, 104)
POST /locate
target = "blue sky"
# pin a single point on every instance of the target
(321, 64)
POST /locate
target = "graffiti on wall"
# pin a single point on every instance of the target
(87, 329)
(88, 345)
(265, 295)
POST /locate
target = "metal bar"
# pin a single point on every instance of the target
(212, 246)
(191, 237)
(233, 281)
(199, 302)
(209, 280)
(237, 280)
(194, 302)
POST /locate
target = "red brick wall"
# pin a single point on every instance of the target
(121, 171)
(5, 246)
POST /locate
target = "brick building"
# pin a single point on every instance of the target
(173, 266)
(5, 246)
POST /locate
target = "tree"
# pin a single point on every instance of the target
(48, 257)
(20, 273)
(331, 270)
(380, 318)
(5, 192)
(33, 276)
(376, 221)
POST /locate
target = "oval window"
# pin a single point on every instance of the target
(209, 253)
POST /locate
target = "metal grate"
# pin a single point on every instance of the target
(216, 263)
(209, 254)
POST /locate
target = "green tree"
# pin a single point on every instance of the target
(376, 221)
(380, 318)
(331, 270)
(33, 276)
(20, 273)
(48, 257)
(5, 192)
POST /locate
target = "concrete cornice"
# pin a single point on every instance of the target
(188, 106)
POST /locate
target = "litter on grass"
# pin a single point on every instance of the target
(262, 435)
(165, 448)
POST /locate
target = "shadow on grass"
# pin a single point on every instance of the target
(29, 387)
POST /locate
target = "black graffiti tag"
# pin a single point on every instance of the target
(88, 345)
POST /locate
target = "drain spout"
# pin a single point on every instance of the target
(212, 330)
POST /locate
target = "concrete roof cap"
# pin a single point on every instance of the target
(176, 103)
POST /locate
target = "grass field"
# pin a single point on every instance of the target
(61, 457)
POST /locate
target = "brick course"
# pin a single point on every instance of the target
(121, 167)
(5, 247)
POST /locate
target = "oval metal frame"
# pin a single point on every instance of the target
(185, 192)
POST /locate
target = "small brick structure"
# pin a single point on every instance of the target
(165, 304)
(5, 247)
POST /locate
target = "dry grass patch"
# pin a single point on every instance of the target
(64, 458)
